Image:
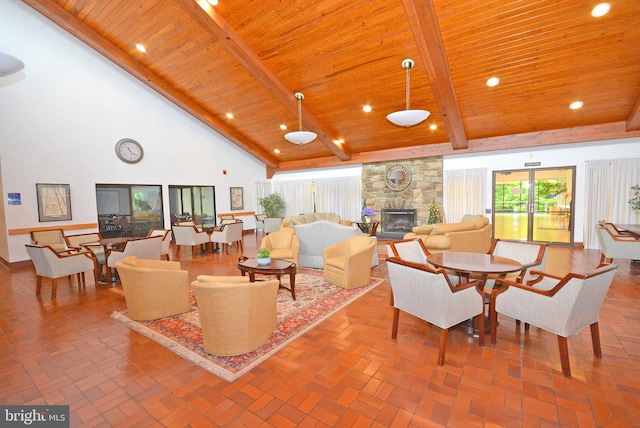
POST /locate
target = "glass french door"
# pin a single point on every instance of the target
(534, 204)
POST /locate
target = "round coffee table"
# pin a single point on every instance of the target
(275, 267)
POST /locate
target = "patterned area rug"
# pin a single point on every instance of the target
(315, 300)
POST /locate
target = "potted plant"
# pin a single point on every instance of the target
(263, 257)
(273, 205)
(366, 214)
(635, 201)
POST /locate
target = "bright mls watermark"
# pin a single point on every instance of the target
(34, 416)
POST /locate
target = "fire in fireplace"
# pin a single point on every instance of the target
(396, 222)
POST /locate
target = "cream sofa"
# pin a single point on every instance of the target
(320, 234)
(472, 234)
(291, 221)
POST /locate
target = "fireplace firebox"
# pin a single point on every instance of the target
(396, 222)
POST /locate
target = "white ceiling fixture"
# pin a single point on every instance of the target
(300, 137)
(9, 64)
(408, 117)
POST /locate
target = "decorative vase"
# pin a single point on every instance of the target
(367, 219)
(264, 260)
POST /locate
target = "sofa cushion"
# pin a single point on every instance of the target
(480, 222)
(470, 217)
(328, 216)
(442, 228)
(438, 242)
(423, 230)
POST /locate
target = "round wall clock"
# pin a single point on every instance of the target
(397, 177)
(129, 151)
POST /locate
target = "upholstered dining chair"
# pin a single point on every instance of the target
(166, 240)
(75, 242)
(560, 305)
(236, 316)
(411, 250)
(228, 234)
(617, 246)
(52, 264)
(153, 288)
(283, 244)
(142, 248)
(259, 222)
(52, 237)
(428, 294)
(189, 236)
(347, 264)
(532, 255)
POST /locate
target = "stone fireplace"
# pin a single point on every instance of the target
(395, 222)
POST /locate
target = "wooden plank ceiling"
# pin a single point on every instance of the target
(248, 58)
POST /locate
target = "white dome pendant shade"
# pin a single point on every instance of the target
(9, 64)
(408, 117)
(300, 137)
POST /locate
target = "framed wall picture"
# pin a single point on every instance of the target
(237, 198)
(54, 202)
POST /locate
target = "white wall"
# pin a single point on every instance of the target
(61, 117)
(566, 155)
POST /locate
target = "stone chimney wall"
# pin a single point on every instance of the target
(426, 186)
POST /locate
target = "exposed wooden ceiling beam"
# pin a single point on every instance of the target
(607, 131)
(87, 35)
(633, 122)
(423, 21)
(214, 24)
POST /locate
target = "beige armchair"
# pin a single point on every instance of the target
(53, 238)
(52, 264)
(347, 264)
(428, 294)
(560, 305)
(153, 288)
(283, 244)
(189, 236)
(617, 246)
(228, 234)
(166, 240)
(237, 316)
(142, 248)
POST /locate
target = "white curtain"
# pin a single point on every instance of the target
(341, 195)
(608, 190)
(297, 194)
(464, 193)
(263, 189)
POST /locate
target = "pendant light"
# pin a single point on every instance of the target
(408, 117)
(300, 137)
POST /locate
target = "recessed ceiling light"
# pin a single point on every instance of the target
(338, 141)
(433, 127)
(283, 127)
(366, 108)
(229, 115)
(576, 105)
(493, 81)
(600, 10)
(141, 48)
(276, 151)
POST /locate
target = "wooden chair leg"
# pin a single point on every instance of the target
(494, 321)
(193, 251)
(54, 288)
(444, 334)
(595, 340)
(38, 285)
(481, 328)
(564, 356)
(394, 329)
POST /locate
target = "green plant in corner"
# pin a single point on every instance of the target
(635, 201)
(263, 253)
(273, 205)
